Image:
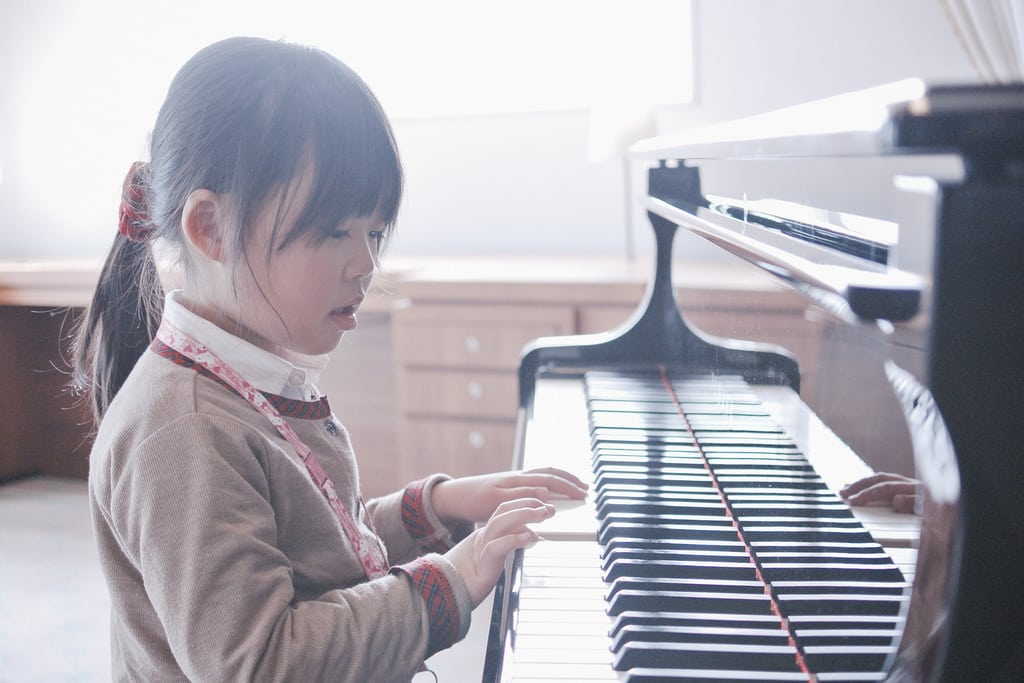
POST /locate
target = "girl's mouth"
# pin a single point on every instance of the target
(345, 317)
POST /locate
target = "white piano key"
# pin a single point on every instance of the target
(559, 672)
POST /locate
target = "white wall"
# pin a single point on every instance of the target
(522, 183)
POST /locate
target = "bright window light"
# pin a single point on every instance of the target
(92, 96)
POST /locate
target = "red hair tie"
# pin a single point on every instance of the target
(133, 219)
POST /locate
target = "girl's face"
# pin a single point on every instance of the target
(306, 295)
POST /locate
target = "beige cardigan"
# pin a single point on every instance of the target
(225, 563)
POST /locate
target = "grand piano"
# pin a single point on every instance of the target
(714, 545)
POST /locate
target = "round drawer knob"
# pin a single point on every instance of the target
(475, 390)
(472, 344)
(475, 439)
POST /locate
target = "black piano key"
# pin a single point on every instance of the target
(851, 605)
(649, 436)
(808, 518)
(662, 521)
(636, 420)
(689, 601)
(649, 568)
(785, 484)
(778, 450)
(780, 493)
(633, 506)
(691, 491)
(710, 554)
(672, 585)
(847, 658)
(810, 571)
(830, 622)
(635, 633)
(708, 532)
(795, 534)
(681, 618)
(792, 509)
(846, 637)
(874, 556)
(810, 549)
(653, 479)
(706, 655)
(609, 472)
(625, 542)
(767, 467)
(604, 405)
(644, 456)
(654, 503)
(767, 477)
(837, 586)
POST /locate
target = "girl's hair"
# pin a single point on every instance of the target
(243, 118)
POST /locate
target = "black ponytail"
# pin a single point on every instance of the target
(119, 324)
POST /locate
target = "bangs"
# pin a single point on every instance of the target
(357, 172)
(328, 120)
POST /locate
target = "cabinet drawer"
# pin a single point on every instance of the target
(456, 447)
(473, 336)
(454, 393)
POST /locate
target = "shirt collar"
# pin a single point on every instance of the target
(292, 375)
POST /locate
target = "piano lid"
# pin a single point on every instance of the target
(905, 117)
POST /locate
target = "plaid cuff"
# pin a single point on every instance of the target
(417, 521)
(437, 594)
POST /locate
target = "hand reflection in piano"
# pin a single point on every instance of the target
(883, 488)
(509, 502)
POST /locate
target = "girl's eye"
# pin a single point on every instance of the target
(376, 235)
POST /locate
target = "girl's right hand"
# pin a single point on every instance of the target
(480, 557)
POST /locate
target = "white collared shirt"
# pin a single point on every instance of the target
(293, 377)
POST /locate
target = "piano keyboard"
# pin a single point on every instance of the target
(712, 546)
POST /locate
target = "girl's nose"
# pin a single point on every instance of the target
(362, 262)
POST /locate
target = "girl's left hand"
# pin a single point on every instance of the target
(474, 499)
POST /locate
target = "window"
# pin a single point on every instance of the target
(89, 95)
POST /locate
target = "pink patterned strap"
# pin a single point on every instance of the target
(366, 546)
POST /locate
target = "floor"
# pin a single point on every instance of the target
(53, 610)
(54, 603)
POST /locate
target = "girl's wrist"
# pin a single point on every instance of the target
(439, 503)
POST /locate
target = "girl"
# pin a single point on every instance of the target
(224, 493)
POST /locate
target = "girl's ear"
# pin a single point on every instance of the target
(202, 222)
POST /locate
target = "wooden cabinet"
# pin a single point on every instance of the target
(457, 390)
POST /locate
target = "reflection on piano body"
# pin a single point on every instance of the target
(713, 545)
